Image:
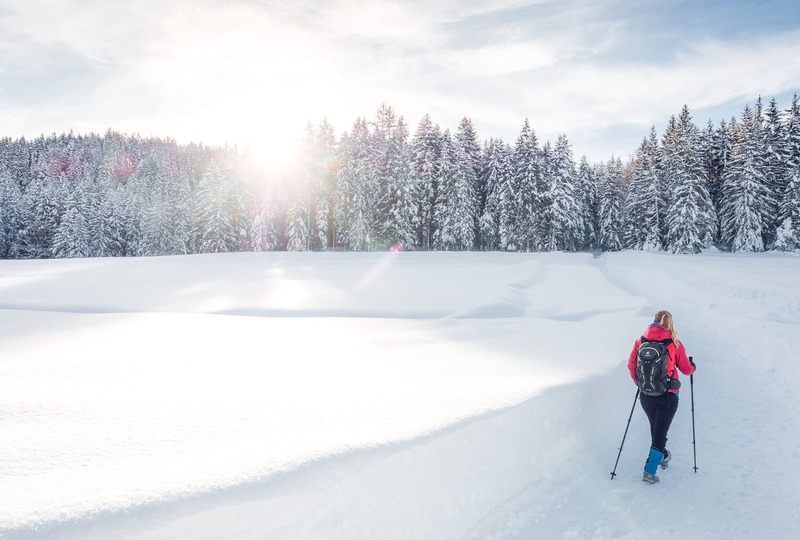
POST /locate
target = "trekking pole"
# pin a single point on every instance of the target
(694, 442)
(614, 472)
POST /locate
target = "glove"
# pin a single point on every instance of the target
(691, 361)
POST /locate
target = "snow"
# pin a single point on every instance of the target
(394, 395)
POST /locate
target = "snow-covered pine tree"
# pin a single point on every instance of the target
(264, 227)
(300, 195)
(587, 189)
(382, 129)
(788, 234)
(565, 227)
(468, 139)
(645, 201)
(214, 227)
(71, 239)
(328, 165)
(744, 189)
(493, 221)
(400, 224)
(610, 204)
(176, 203)
(718, 149)
(358, 190)
(769, 202)
(425, 159)
(112, 240)
(690, 223)
(456, 205)
(148, 187)
(10, 206)
(297, 226)
(43, 207)
(775, 158)
(527, 221)
(792, 143)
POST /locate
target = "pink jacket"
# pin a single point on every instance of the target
(676, 354)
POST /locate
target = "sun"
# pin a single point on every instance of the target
(273, 151)
(265, 123)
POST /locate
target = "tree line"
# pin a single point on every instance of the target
(734, 186)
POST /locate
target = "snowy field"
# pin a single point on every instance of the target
(391, 396)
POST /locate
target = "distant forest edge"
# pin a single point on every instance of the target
(734, 186)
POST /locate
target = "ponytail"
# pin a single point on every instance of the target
(664, 318)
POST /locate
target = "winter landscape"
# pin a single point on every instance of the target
(391, 395)
(334, 270)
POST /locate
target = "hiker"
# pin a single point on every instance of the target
(654, 363)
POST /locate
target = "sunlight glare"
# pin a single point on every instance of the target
(272, 150)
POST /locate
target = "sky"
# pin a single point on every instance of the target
(392, 395)
(255, 72)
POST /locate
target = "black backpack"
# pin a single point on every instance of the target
(651, 367)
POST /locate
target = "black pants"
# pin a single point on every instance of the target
(660, 411)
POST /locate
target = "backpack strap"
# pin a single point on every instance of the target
(667, 342)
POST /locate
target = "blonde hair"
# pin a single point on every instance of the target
(664, 318)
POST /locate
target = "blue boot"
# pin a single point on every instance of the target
(653, 461)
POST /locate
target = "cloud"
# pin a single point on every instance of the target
(235, 71)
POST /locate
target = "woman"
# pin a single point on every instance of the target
(660, 409)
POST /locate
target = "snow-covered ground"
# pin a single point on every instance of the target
(397, 395)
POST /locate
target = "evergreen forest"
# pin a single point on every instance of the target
(734, 186)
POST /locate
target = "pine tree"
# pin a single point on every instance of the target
(328, 164)
(264, 229)
(43, 206)
(768, 202)
(719, 154)
(493, 221)
(400, 224)
(297, 227)
(791, 146)
(425, 160)
(744, 190)
(690, 215)
(526, 219)
(358, 190)
(775, 158)
(71, 239)
(788, 234)
(565, 227)
(587, 186)
(10, 206)
(300, 209)
(468, 139)
(215, 230)
(645, 203)
(609, 205)
(456, 206)
(150, 188)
